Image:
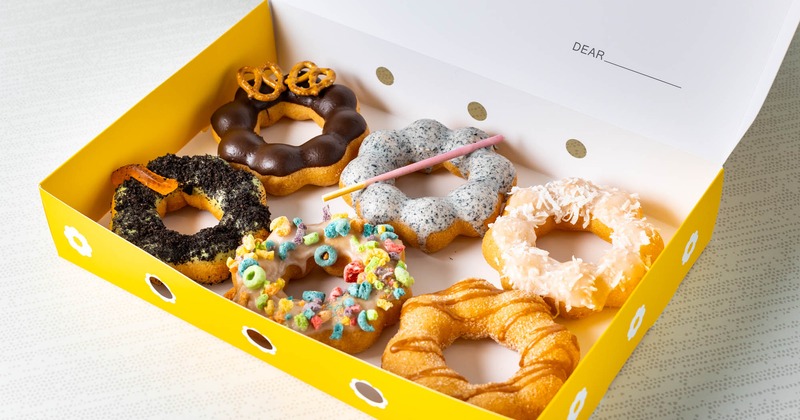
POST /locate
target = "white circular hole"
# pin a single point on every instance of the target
(159, 288)
(368, 393)
(259, 340)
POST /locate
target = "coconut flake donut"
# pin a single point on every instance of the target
(143, 195)
(429, 223)
(474, 309)
(576, 288)
(264, 97)
(351, 317)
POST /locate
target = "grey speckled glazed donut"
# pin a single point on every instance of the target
(429, 223)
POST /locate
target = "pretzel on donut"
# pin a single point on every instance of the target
(576, 288)
(370, 259)
(261, 75)
(307, 73)
(264, 97)
(474, 309)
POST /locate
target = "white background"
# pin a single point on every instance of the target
(75, 346)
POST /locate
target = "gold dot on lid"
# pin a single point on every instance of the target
(476, 110)
(576, 148)
(385, 76)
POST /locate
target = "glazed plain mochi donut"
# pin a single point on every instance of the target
(576, 288)
(474, 309)
(429, 223)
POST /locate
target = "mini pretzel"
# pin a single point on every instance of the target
(311, 76)
(475, 309)
(261, 75)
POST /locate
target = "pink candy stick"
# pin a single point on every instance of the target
(416, 166)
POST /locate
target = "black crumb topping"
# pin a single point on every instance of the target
(237, 192)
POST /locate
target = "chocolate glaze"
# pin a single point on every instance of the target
(235, 191)
(235, 124)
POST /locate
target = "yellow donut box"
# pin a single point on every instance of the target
(566, 106)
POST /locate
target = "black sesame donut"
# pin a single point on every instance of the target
(306, 93)
(144, 195)
(429, 223)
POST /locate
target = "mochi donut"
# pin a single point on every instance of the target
(264, 97)
(429, 223)
(475, 309)
(370, 260)
(576, 288)
(144, 195)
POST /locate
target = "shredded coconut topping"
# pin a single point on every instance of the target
(575, 283)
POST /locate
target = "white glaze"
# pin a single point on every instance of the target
(353, 246)
(487, 174)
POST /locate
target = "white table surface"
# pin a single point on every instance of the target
(75, 346)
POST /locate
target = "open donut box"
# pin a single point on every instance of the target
(653, 108)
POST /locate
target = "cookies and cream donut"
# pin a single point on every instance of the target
(576, 287)
(429, 223)
(369, 258)
(264, 97)
(475, 309)
(144, 195)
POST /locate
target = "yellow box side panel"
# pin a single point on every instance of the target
(98, 250)
(587, 385)
(190, 96)
(166, 118)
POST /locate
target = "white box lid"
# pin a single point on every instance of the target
(689, 74)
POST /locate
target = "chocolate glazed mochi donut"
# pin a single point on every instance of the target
(264, 97)
(429, 223)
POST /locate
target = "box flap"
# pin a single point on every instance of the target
(689, 74)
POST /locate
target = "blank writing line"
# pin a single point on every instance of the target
(645, 75)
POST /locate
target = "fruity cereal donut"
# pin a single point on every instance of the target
(429, 223)
(349, 318)
(474, 309)
(264, 97)
(576, 288)
(143, 195)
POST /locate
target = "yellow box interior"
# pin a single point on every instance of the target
(191, 95)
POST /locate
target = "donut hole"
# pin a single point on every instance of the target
(482, 361)
(189, 220)
(289, 124)
(317, 280)
(563, 245)
(438, 183)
